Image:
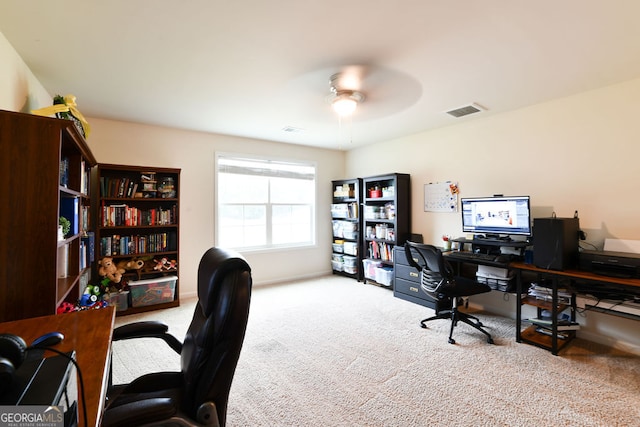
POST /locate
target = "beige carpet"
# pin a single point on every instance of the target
(335, 352)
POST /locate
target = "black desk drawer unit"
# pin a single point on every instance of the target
(406, 281)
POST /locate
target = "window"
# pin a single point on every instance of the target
(264, 203)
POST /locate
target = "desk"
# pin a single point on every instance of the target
(552, 343)
(87, 332)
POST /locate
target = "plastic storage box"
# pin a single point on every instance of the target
(369, 268)
(152, 291)
(384, 275)
(120, 300)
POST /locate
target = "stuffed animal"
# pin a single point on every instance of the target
(161, 264)
(131, 264)
(109, 270)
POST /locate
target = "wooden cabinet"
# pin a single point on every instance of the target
(386, 223)
(346, 258)
(137, 222)
(44, 172)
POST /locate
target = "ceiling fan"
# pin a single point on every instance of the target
(383, 91)
(345, 93)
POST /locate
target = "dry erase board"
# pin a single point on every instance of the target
(441, 197)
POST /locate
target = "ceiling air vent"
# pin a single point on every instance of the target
(292, 129)
(466, 110)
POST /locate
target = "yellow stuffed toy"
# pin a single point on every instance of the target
(109, 270)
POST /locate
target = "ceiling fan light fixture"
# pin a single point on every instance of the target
(345, 102)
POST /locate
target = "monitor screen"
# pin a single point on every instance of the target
(493, 216)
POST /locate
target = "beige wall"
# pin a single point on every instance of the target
(194, 153)
(19, 89)
(576, 153)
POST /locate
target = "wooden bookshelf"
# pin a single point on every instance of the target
(40, 271)
(136, 212)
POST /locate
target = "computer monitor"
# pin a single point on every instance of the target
(493, 216)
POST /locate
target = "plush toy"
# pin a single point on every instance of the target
(172, 265)
(131, 264)
(160, 264)
(109, 270)
(65, 307)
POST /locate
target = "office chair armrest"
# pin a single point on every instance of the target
(140, 412)
(148, 329)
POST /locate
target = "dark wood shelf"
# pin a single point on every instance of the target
(33, 149)
(531, 336)
(380, 249)
(104, 179)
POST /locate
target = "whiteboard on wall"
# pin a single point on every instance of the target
(441, 197)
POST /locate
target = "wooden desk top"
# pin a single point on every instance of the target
(578, 274)
(87, 332)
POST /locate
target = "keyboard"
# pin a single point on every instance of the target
(473, 256)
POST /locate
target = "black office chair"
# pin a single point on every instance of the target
(198, 394)
(437, 281)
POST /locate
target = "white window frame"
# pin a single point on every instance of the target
(269, 246)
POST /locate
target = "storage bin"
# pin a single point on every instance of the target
(350, 261)
(337, 228)
(120, 300)
(369, 268)
(351, 270)
(502, 284)
(350, 248)
(350, 234)
(340, 210)
(349, 226)
(338, 247)
(336, 265)
(152, 291)
(384, 275)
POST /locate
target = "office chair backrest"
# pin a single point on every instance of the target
(428, 260)
(214, 339)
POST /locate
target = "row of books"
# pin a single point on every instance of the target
(138, 244)
(124, 215)
(381, 250)
(118, 187)
(84, 175)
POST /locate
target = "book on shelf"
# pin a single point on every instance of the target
(562, 325)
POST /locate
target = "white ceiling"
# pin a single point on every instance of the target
(253, 67)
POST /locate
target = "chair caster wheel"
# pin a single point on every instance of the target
(490, 340)
(480, 324)
(452, 341)
(423, 326)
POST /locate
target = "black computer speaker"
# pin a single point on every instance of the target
(555, 243)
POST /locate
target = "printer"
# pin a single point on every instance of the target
(611, 263)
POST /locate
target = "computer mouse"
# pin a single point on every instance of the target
(48, 340)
